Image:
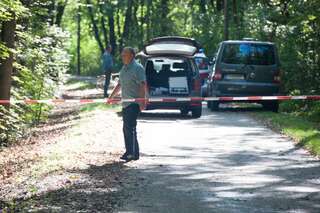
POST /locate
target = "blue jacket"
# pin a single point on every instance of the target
(107, 62)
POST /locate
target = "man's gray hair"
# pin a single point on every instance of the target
(130, 50)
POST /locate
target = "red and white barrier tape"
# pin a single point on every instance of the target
(163, 100)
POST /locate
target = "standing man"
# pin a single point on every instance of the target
(107, 66)
(133, 85)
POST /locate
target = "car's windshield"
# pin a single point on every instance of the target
(202, 63)
(253, 54)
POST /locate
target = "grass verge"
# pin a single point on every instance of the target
(74, 84)
(306, 133)
(98, 106)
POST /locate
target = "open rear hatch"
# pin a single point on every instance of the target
(168, 76)
(172, 45)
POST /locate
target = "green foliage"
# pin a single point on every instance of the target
(98, 106)
(304, 132)
(79, 85)
(40, 61)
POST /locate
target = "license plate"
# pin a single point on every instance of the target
(234, 77)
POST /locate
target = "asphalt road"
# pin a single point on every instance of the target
(223, 162)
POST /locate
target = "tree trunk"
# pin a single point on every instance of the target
(134, 27)
(236, 19)
(6, 65)
(226, 21)
(79, 41)
(203, 6)
(94, 26)
(142, 21)
(103, 23)
(149, 4)
(127, 22)
(60, 11)
(112, 34)
(164, 16)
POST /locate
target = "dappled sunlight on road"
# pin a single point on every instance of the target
(224, 161)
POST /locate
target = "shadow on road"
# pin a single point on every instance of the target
(166, 187)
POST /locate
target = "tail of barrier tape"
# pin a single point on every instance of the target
(163, 100)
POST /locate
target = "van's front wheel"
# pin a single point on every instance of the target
(213, 105)
(271, 106)
(196, 112)
(184, 112)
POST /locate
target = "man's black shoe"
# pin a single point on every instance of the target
(129, 158)
(124, 156)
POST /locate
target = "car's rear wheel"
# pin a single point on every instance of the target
(196, 112)
(209, 104)
(184, 112)
(271, 106)
(214, 105)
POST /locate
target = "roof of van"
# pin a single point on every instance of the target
(247, 42)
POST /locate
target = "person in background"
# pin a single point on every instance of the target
(107, 66)
(133, 85)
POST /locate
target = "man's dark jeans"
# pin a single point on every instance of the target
(107, 83)
(129, 116)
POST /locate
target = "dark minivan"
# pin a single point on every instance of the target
(245, 68)
(171, 72)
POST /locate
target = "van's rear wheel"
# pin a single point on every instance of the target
(184, 112)
(196, 112)
(271, 106)
(213, 105)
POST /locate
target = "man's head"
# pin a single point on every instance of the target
(109, 48)
(128, 54)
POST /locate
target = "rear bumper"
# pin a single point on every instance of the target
(171, 104)
(238, 89)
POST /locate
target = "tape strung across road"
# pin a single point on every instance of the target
(161, 100)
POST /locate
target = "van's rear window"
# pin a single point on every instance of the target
(253, 54)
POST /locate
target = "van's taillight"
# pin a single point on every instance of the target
(217, 75)
(197, 85)
(204, 75)
(277, 77)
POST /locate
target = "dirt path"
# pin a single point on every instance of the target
(68, 164)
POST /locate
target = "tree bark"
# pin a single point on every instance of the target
(79, 41)
(203, 6)
(142, 21)
(127, 22)
(103, 24)
(149, 4)
(6, 65)
(236, 19)
(164, 16)
(60, 11)
(226, 21)
(112, 34)
(95, 26)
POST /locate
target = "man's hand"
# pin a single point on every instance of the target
(143, 93)
(115, 91)
(143, 104)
